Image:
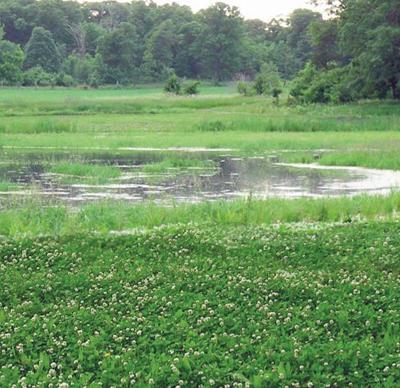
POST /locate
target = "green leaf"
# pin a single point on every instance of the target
(281, 369)
(258, 381)
(186, 364)
(240, 377)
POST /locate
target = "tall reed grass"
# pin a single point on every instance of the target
(31, 217)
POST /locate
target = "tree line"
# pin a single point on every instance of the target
(109, 42)
(353, 54)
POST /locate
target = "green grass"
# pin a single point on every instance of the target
(38, 126)
(189, 306)
(379, 159)
(6, 185)
(177, 163)
(32, 218)
(238, 140)
(91, 172)
(86, 120)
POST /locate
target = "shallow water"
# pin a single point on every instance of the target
(233, 177)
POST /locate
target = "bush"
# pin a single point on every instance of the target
(244, 88)
(191, 89)
(276, 92)
(267, 79)
(259, 85)
(323, 86)
(173, 85)
(38, 77)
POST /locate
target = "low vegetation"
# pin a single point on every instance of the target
(305, 306)
(30, 217)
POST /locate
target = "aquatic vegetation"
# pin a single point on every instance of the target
(33, 217)
(169, 163)
(90, 172)
(305, 306)
(6, 185)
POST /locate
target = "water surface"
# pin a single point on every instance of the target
(231, 176)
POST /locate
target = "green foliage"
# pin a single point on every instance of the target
(369, 34)
(222, 39)
(191, 89)
(11, 61)
(173, 85)
(325, 42)
(120, 53)
(323, 86)
(283, 296)
(162, 44)
(244, 88)
(42, 51)
(268, 79)
(276, 92)
(36, 76)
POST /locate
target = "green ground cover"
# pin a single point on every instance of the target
(306, 306)
(30, 217)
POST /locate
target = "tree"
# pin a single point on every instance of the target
(149, 70)
(298, 39)
(163, 42)
(325, 43)
(221, 40)
(93, 34)
(42, 51)
(370, 34)
(268, 79)
(120, 54)
(173, 85)
(77, 31)
(11, 61)
(188, 59)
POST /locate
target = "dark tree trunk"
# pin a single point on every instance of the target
(393, 84)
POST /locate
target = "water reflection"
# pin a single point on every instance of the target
(232, 177)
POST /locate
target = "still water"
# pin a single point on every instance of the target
(231, 176)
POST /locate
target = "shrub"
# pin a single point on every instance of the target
(173, 85)
(276, 92)
(191, 89)
(244, 88)
(323, 86)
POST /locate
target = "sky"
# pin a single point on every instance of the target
(250, 9)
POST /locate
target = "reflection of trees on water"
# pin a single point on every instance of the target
(234, 177)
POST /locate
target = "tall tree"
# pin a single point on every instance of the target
(41, 50)
(325, 42)
(11, 61)
(120, 54)
(297, 36)
(163, 43)
(370, 33)
(222, 39)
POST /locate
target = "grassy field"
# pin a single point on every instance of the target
(218, 118)
(234, 294)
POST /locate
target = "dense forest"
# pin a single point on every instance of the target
(353, 54)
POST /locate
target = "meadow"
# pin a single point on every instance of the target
(242, 293)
